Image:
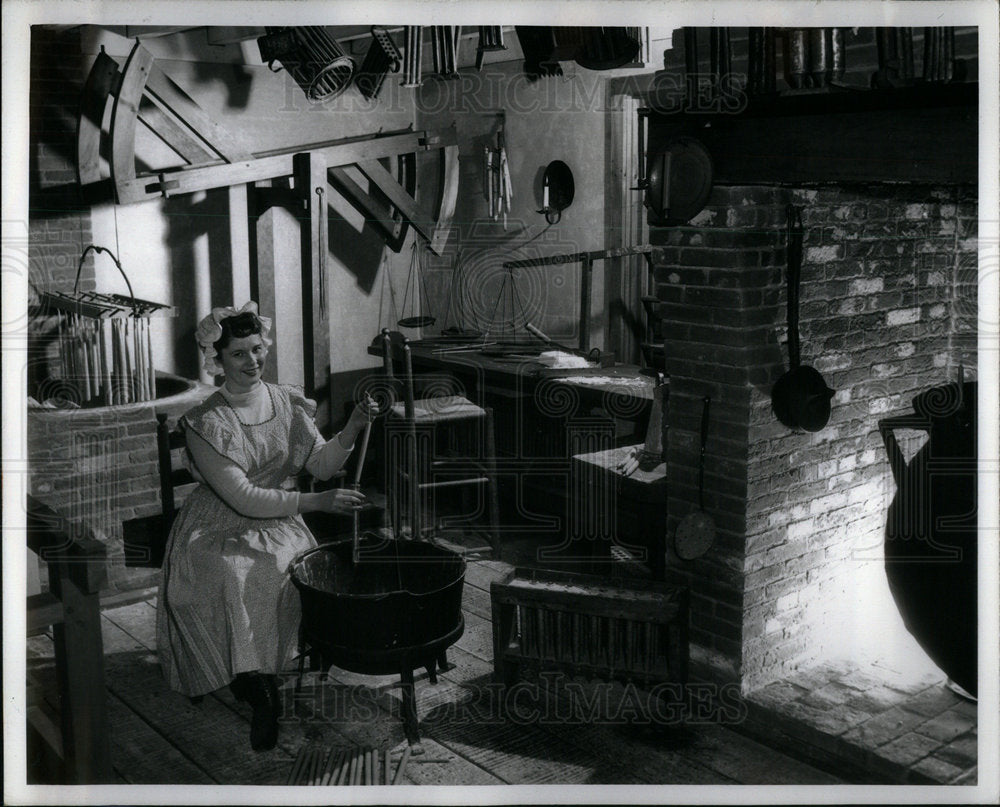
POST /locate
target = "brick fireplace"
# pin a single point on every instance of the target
(887, 309)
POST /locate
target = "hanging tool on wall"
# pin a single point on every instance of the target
(761, 61)
(720, 59)
(800, 399)
(497, 186)
(895, 57)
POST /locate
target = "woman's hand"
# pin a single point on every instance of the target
(337, 500)
(365, 410)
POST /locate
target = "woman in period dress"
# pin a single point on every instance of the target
(229, 613)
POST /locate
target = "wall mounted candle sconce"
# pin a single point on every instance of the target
(557, 190)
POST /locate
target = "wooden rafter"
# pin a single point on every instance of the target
(216, 158)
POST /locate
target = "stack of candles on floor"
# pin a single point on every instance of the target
(334, 767)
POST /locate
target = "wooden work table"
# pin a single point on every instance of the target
(543, 423)
(514, 373)
(540, 414)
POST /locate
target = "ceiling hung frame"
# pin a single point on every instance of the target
(215, 158)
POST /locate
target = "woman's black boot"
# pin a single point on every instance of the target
(261, 692)
(238, 686)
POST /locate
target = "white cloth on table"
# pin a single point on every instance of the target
(227, 604)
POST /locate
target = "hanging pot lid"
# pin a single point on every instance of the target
(680, 180)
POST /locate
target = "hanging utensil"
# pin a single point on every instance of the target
(696, 532)
(489, 179)
(490, 38)
(412, 70)
(800, 398)
(382, 57)
(416, 269)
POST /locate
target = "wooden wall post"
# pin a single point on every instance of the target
(239, 243)
(311, 186)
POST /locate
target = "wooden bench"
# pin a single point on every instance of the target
(76, 562)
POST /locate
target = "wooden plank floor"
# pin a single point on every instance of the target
(160, 737)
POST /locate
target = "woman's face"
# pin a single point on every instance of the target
(243, 362)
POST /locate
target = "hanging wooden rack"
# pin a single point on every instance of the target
(105, 353)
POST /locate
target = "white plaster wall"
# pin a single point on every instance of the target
(176, 251)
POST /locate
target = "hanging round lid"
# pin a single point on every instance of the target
(680, 180)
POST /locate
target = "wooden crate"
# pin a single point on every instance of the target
(632, 630)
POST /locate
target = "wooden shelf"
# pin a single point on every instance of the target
(926, 133)
(831, 100)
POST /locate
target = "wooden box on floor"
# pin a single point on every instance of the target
(585, 625)
(632, 507)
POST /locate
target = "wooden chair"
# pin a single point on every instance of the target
(419, 463)
(145, 538)
(77, 569)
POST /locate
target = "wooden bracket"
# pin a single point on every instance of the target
(377, 209)
(216, 158)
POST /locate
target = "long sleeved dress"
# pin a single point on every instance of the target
(226, 602)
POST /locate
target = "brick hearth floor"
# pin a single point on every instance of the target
(868, 723)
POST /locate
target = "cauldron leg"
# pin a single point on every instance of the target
(442, 662)
(410, 726)
(431, 667)
(302, 669)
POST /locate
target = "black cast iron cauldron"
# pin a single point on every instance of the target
(399, 607)
(930, 533)
(401, 603)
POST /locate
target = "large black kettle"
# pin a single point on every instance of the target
(930, 532)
